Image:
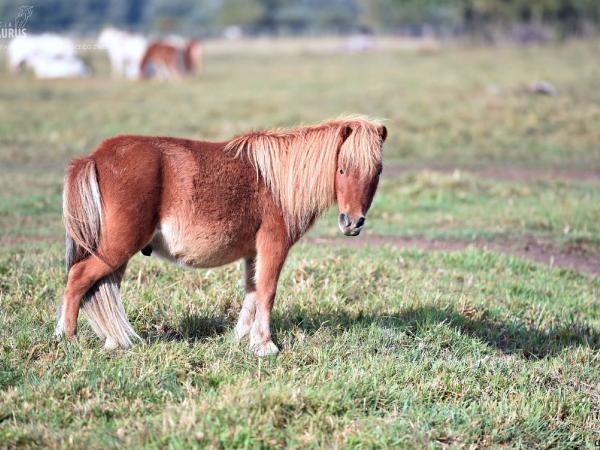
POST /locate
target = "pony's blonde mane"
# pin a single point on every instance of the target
(298, 165)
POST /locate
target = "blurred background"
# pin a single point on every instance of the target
(522, 19)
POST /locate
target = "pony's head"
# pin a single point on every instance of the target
(357, 175)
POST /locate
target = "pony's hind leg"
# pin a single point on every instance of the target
(82, 276)
(272, 250)
(244, 323)
(93, 285)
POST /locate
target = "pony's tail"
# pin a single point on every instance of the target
(82, 212)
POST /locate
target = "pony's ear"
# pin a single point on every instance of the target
(345, 132)
(382, 130)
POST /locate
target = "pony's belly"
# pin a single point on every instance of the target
(196, 245)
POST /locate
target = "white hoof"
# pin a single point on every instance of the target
(255, 337)
(110, 344)
(59, 331)
(266, 349)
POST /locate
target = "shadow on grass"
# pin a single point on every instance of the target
(191, 327)
(509, 337)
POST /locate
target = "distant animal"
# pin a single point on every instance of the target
(541, 87)
(165, 60)
(22, 50)
(125, 51)
(205, 204)
(58, 67)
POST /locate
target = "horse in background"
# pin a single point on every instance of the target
(167, 60)
(47, 55)
(125, 51)
(206, 204)
(23, 50)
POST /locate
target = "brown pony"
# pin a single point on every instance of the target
(205, 204)
(166, 61)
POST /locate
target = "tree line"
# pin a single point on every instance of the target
(302, 17)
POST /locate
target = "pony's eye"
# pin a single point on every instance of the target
(341, 171)
(379, 171)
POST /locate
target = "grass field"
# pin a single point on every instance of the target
(381, 345)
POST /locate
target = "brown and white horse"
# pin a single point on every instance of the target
(165, 61)
(205, 204)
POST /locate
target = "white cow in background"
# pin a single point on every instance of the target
(23, 49)
(125, 51)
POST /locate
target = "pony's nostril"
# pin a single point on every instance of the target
(344, 220)
(360, 222)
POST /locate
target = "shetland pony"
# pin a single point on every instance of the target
(205, 204)
(166, 61)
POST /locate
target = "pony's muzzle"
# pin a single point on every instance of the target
(349, 226)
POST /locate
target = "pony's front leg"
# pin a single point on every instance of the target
(271, 254)
(248, 311)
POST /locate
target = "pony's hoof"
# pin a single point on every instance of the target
(110, 344)
(266, 349)
(59, 330)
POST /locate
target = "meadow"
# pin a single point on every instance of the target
(386, 342)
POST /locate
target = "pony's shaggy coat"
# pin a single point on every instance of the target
(206, 204)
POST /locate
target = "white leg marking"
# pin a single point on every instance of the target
(60, 321)
(260, 338)
(255, 338)
(244, 323)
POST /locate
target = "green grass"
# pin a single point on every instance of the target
(381, 347)
(407, 348)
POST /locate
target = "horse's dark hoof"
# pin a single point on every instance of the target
(147, 250)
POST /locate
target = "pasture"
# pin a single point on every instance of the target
(467, 314)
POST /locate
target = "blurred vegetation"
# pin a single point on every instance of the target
(531, 20)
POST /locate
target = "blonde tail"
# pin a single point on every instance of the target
(82, 212)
